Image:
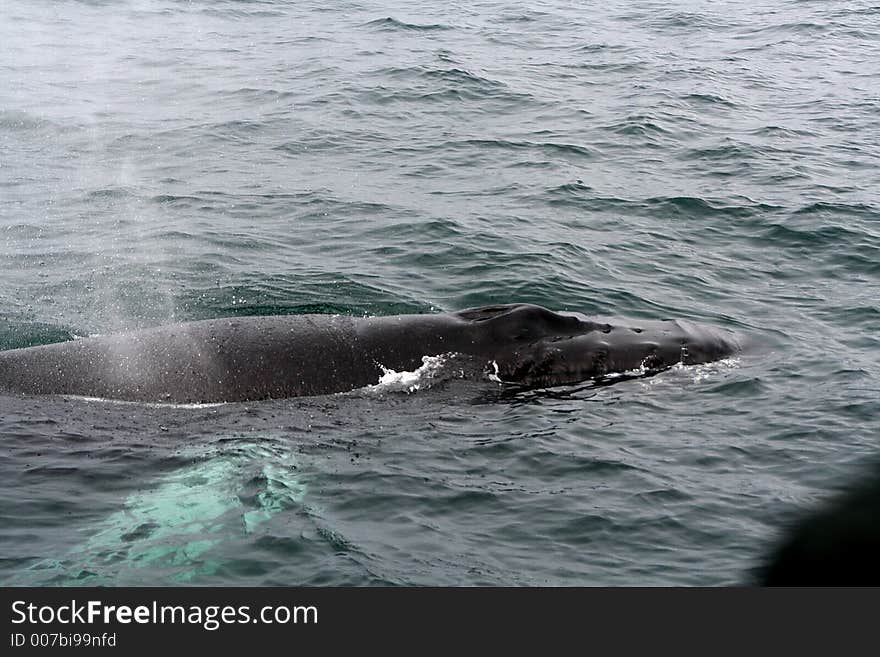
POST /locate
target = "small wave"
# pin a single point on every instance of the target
(777, 131)
(16, 335)
(111, 193)
(258, 93)
(238, 12)
(607, 67)
(824, 209)
(237, 131)
(18, 120)
(427, 83)
(708, 99)
(690, 207)
(819, 238)
(389, 23)
(460, 76)
(177, 236)
(794, 28)
(545, 148)
(866, 316)
(174, 199)
(732, 152)
(696, 207)
(599, 47)
(638, 125)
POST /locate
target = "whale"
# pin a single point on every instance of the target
(249, 358)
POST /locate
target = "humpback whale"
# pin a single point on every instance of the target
(266, 357)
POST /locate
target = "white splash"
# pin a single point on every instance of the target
(705, 371)
(680, 373)
(411, 381)
(700, 372)
(106, 400)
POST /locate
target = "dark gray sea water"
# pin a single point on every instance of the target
(166, 160)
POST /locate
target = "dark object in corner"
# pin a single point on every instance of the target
(836, 545)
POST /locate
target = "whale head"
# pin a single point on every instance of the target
(537, 347)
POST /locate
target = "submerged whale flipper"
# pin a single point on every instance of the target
(250, 358)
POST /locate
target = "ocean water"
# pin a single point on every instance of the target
(170, 160)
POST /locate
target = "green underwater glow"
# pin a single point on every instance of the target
(175, 526)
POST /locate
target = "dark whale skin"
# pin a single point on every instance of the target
(252, 358)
